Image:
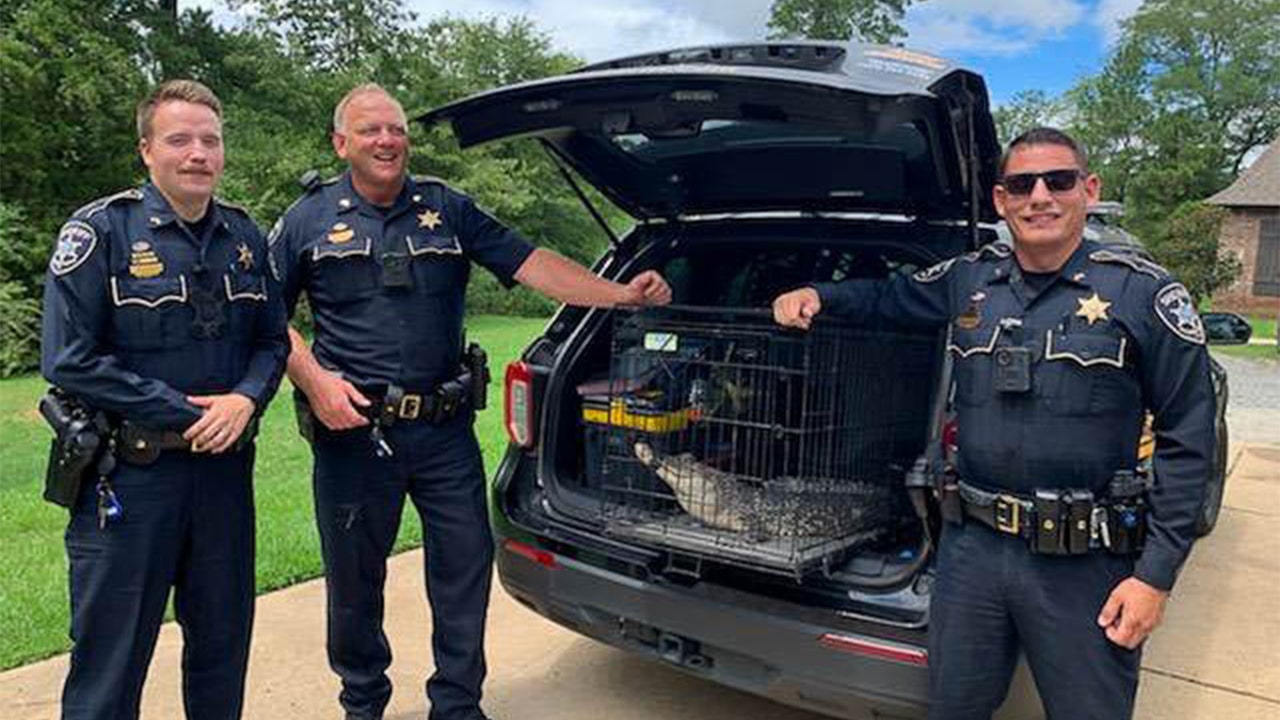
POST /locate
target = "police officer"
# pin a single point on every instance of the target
(1059, 346)
(384, 259)
(158, 311)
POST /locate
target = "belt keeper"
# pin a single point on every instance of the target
(390, 410)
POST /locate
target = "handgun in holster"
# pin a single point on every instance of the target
(81, 435)
(475, 362)
(948, 489)
(921, 482)
(306, 417)
(1127, 512)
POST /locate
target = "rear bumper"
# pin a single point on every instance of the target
(718, 635)
(731, 636)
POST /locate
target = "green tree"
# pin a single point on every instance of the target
(878, 21)
(1025, 110)
(68, 85)
(1189, 249)
(1112, 110)
(22, 252)
(1217, 61)
(1191, 88)
(335, 35)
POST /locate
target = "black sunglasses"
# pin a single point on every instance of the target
(1057, 181)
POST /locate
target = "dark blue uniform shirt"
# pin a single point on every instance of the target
(139, 313)
(1112, 335)
(386, 286)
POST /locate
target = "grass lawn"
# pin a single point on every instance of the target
(33, 568)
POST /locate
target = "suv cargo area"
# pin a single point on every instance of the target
(706, 432)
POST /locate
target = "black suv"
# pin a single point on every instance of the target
(750, 170)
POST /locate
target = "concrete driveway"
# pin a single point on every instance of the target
(1216, 656)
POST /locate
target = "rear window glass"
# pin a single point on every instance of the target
(728, 135)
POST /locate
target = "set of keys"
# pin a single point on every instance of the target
(381, 447)
(109, 507)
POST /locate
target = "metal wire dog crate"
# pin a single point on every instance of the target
(723, 435)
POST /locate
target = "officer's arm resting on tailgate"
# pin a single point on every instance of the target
(1177, 389)
(78, 357)
(564, 280)
(922, 298)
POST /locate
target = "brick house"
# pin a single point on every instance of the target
(1252, 232)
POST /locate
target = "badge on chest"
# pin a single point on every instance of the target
(143, 261)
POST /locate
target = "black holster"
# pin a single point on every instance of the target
(305, 416)
(475, 362)
(81, 435)
(948, 490)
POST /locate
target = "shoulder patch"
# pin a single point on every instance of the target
(1133, 261)
(933, 273)
(1176, 310)
(76, 242)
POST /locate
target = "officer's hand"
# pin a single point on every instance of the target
(220, 425)
(648, 288)
(334, 400)
(1132, 612)
(797, 308)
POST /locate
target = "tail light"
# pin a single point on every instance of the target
(871, 648)
(951, 437)
(519, 404)
(542, 557)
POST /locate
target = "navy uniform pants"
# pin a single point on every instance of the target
(188, 524)
(359, 502)
(994, 597)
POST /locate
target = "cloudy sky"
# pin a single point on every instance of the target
(1015, 44)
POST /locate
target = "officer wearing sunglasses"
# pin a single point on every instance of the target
(1053, 546)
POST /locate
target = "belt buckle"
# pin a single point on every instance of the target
(1008, 514)
(410, 407)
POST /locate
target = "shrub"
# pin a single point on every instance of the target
(19, 330)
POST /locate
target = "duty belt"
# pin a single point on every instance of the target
(139, 445)
(1061, 522)
(395, 404)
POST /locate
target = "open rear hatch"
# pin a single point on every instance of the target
(754, 128)
(711, 432)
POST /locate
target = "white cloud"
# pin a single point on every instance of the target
(604, 30)
(989, 27)
(600, 30)
(1110, 13)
